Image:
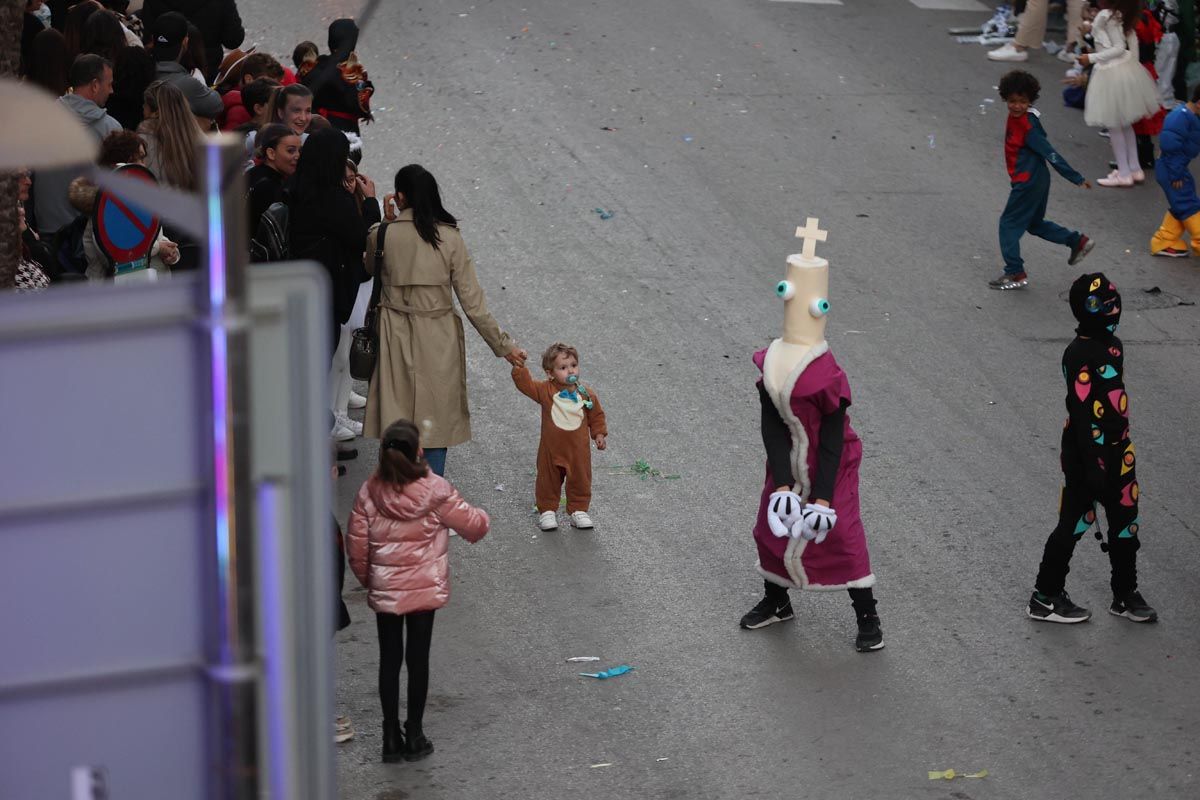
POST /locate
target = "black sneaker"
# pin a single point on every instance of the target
(1006, 281)
(416, 745)
(870, 636)
(767, 613)
(1056, 608)
(1133, 607)
(1079, 252)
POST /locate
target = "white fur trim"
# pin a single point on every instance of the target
(860, 583)
(781, 396)
(773, 578)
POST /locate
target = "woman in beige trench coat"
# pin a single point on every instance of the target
(421, 370)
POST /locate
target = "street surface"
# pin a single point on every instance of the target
(733, 121)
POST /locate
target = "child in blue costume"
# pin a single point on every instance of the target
(1098, 462)
(1026, 151)
(1180, 143)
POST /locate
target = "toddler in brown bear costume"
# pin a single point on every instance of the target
(571, 416)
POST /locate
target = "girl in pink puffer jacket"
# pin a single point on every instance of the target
(397, 546)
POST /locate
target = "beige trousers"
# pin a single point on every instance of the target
(1031, 29)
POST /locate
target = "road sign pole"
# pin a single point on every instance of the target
(234, 673)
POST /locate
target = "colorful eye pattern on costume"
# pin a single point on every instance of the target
(1083, 384)
(1097, 435)
(1092, 304)
(1084, 523)
(1129, 531)
(1129, 495)
(1095, 285)
(1128, 459)
(1097, 410)
(1119, 401)
(1114, 351)
(1107, 372)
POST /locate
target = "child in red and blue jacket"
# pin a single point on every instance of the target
(1026, 151)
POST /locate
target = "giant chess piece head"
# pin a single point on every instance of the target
(1096, 304)
(805, 291)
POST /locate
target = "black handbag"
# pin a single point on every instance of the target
(364, 343)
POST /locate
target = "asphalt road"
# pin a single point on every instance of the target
(733, 120)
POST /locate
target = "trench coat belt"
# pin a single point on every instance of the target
(400, 308)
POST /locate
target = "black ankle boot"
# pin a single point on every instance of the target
(417, 746)
(393, 742)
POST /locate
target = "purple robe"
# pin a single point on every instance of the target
(815, 388)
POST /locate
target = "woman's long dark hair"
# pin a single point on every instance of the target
(399, 460)
(1130, 11)
(49, 64)
(322, 167)
(76, 19)
(194, 58)
(103, 35)
(420, 190)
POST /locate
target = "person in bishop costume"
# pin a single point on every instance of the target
(808, 532)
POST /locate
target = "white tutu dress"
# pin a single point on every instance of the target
(1120, 91)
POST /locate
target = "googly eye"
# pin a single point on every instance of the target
(785, 290)
(819, 307)
(1092, 304)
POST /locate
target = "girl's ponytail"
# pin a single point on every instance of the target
(400, 461)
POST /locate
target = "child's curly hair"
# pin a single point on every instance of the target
(553, 351)
(1020, 82)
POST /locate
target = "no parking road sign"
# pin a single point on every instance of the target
(125, 232)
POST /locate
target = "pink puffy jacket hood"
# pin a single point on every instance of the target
(398, 538)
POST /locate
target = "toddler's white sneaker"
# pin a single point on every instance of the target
(581, 520)
(357, 400)
(548, 521)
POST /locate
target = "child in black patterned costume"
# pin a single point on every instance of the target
(1097, 462)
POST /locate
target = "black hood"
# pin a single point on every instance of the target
(1096, 304)
(343, 37)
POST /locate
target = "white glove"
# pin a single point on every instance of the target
(817, 521)
(784, 510)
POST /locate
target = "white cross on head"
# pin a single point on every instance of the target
(810, 234)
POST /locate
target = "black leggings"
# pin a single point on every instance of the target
(863, 600)
(1076, 515)
(391, 655)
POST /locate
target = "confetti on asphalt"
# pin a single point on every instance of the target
(608, 673)
(949, 774)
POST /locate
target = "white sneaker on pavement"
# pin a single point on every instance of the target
(581, 520)
(548, 521)
(357, 400)
(1066, 55)
(354, 426)
(340, 433)
(1008, 53)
